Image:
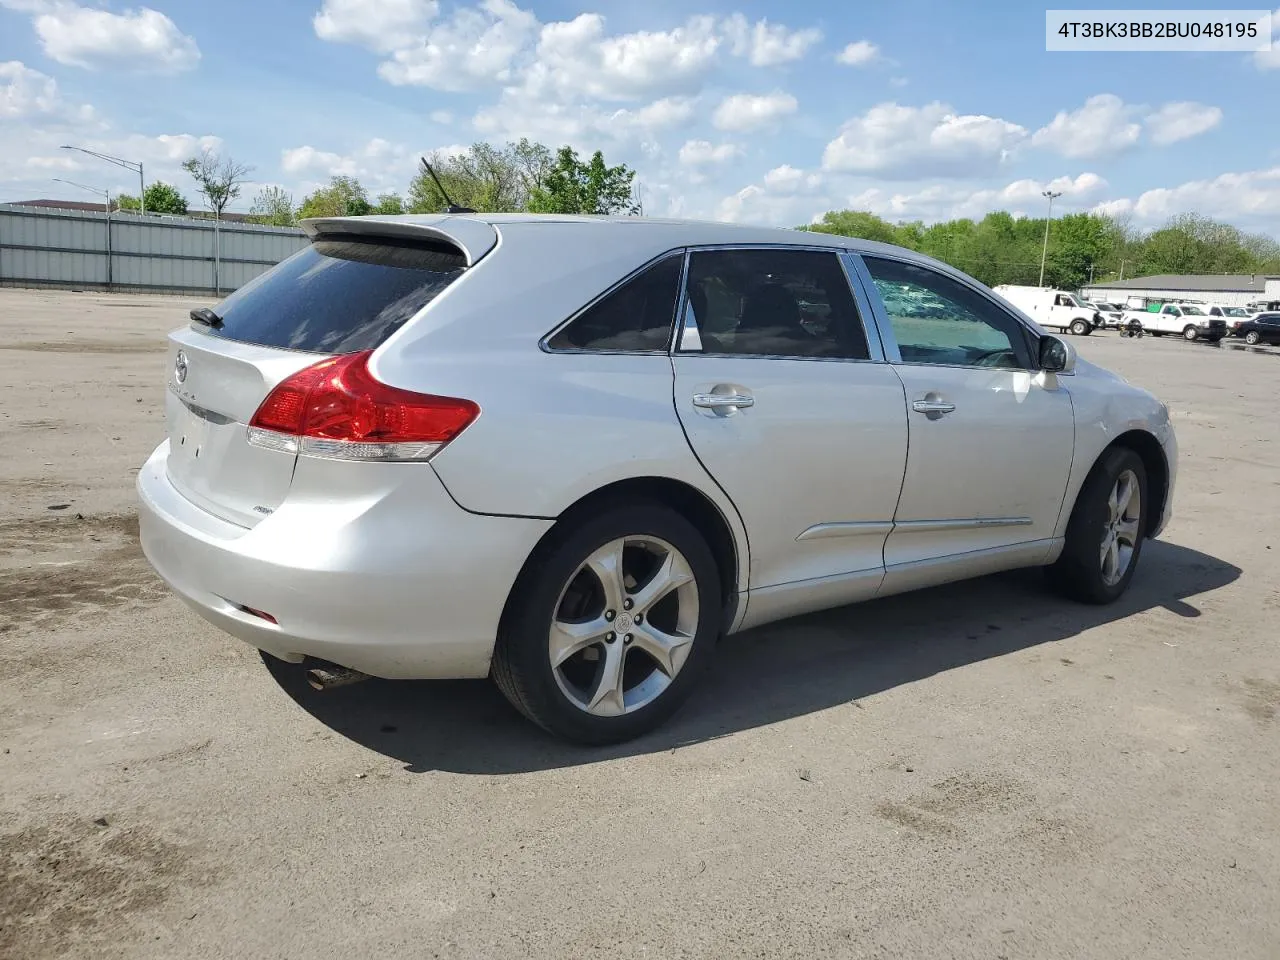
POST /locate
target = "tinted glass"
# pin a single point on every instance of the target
(338, 296)
(937, 320)
(774, 303)
(634, 318)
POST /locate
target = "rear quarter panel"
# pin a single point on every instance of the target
(553, 427)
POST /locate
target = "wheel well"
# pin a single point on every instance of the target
(686, 500)
(1148, 448)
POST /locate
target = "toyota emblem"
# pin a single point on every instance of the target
(180, 367)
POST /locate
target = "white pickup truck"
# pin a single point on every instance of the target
(1188, 319)
(1052, 309)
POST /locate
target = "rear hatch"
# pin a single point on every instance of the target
(344, 294)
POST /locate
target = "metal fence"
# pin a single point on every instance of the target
(41, 247)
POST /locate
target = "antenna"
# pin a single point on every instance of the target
(452, 208)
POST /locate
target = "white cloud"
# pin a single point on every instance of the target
(769, 44)
(1105, 125)
(1181, 121)
(141, 39)
(1249, 196)
(581, 125)
(575, 59)
(25, 92)
(379, 164)
(906, 142)
(858, 54)
(789, 196)
(745, 111)
(473, 48)
(659, 115)
(945, 201)
(1270, 59)
(442, 117)
(704, 153)
(787, 179)
(380, 25)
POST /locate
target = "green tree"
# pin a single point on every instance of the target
(161, 198)
(486, 178)
(389, 204)
(856, 223)
(342, 197)
(218, 179)
(571, 186)
(273, 206)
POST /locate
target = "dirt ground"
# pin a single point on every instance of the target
(979, 771)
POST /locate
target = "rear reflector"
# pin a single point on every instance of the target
(336, 409)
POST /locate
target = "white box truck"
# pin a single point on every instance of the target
(1053, 309)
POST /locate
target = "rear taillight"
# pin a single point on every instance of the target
(336, 409)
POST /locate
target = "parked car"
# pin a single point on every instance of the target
(1264, 328)
(1234, 316)
(1053, 309)
(572, 453)
(1112, 313)
(1188, 319)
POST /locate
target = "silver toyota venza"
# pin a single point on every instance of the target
(573, 453)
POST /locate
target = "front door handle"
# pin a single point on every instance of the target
(720, 401)
(933, 408)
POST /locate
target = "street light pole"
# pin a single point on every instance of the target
(127, 164)
(1045, 251)
(106, 206)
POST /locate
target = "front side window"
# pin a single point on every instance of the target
(773, 303)
(938, 320)
(634, 318)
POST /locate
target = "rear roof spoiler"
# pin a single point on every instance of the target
(473, 237)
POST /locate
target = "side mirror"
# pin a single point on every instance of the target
(1056, 355)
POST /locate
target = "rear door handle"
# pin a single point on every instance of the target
(719, 401)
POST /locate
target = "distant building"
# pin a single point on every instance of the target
(1234, 290)
(90, 207)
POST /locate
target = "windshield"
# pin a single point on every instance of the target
(1193, 311)
(1233, 312)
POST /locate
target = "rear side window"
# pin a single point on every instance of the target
(339, 296)
(634, 318)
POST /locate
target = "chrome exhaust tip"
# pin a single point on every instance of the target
(326, 678)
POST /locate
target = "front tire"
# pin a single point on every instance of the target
(1106, 531)
(1252, 338)
(1191, 334)
(1080, 328)
(611, 625)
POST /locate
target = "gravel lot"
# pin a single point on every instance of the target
(979, 771)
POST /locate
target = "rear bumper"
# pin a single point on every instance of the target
(371, 566)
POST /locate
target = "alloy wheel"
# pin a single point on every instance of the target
(1121, 531)
(624, 626)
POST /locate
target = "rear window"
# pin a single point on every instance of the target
(339, 296)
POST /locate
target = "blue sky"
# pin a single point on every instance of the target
(754, 111)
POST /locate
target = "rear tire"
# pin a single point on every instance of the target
(1106, 531)
(1080, 328)
(1252, 338)
(560, 660)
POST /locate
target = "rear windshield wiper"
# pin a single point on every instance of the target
(207, 317)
